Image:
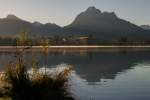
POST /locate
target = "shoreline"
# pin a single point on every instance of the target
(73, 46)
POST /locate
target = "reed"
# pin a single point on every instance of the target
(23, 85)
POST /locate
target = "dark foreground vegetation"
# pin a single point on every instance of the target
(20, 84)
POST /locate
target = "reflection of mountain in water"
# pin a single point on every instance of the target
(92, 66)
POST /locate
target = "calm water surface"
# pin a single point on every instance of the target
(99, 75)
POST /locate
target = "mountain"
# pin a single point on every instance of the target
(12, 25)
(12, 17)
(146, 27)
(102, 26)
(106, 26)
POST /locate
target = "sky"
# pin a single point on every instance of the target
(63, 12)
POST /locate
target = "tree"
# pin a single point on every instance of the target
(23, 38)
(123, 40)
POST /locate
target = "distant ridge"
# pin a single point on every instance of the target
(12, 17)
(106, 26)
(102, 26)
(146, 27)
(12, 25)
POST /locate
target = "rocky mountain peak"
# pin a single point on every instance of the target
(93, 10)
(11, 16)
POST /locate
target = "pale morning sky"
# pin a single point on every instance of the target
(63, 12)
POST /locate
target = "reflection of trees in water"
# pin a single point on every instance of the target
(107, 65)
(91, 66)
(5, 58)
(99, 65)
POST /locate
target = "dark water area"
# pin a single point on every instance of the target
(99, 74)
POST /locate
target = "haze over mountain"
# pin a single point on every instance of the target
(106, 26)
(101, 25)
(146, 27)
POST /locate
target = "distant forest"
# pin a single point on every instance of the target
(24, 39)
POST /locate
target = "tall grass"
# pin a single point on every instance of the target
(23, 85)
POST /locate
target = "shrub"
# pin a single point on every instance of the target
(36, 86)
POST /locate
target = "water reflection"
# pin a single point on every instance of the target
(90, 65)
(100, 74)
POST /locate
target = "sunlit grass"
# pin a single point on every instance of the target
(6, 98)
(22, 85)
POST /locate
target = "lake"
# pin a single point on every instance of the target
(99, 74)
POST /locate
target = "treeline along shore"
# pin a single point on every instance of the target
(89, 41)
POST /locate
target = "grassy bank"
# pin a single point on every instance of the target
(19, 84)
